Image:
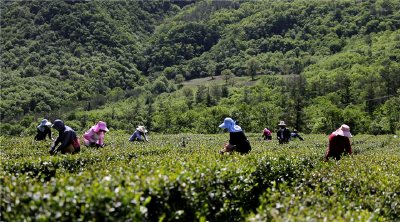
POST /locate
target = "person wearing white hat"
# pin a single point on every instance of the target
(94, 136)
(238, 141)
(283, 134)
(137, 135)
(339, 143)
(43, 130)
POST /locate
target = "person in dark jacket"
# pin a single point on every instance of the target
(138, 134)
(339, 143)
(67, 137)
(238, 141)
(43, 130)
(295, 134)
(283, 135)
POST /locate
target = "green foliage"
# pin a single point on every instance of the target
(253, 65)
(182, 177)
(340, 190)
(96, 58)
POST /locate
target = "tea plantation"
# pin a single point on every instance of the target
(184, 178)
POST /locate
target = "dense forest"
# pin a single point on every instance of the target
(313, 64)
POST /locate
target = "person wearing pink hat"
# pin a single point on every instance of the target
(94, 136)
(339, 143)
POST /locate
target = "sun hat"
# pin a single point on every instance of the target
(141, 129)
(44, 122)
(344, 130)
(101, 126)
(230, 125)
(295, 130)
(282, 123)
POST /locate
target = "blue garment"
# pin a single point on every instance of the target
(231, 125)
(66, 135)
(137, 135)
(294, 135)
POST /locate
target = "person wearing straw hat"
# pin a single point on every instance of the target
(283, 134)
(43, 130)
(267, 134)
(137, 135)
(94, 136)
(67, 137)
(339, 143)
(237, 139)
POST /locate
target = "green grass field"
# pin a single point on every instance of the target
(183, 178)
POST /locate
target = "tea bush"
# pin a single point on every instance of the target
(183, 177)
(364, 187)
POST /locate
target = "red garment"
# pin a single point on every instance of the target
(338, 145)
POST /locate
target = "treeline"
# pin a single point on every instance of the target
(56, 53)
(125, 63)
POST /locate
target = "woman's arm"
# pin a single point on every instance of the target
(88, 136)
(100, 141)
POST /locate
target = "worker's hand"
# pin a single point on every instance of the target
(53, 152)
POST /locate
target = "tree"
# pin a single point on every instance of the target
(188, 93)
(211, 68)
(253, 65)
(227, 75)
(232, 81)
(159, 87)
(26, 121)
(392, 111)
(179, 79)
(224, 92)
(200, 93)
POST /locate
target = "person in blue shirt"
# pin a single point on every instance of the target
(295, 134)
(138, 134)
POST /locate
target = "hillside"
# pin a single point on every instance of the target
(125, 63)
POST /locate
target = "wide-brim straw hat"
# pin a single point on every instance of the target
(282, 123)
(344, 130)
(141, 129)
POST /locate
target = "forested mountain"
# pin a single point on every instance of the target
(123, 62)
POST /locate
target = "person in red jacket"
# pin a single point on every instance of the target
(339, 143)
(267, 134)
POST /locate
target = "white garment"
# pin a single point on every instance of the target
(96, 136)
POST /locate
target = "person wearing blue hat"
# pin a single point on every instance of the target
(238, 141)
(43, 130)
